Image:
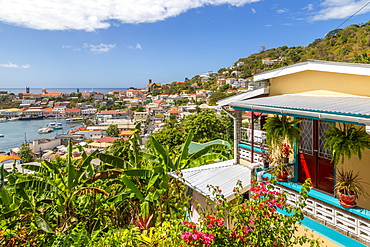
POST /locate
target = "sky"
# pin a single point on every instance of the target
(124, 43)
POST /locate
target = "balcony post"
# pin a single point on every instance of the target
(252, 138)
(237, 135)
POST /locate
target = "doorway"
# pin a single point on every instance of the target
(314, 160)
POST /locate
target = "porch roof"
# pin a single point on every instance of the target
(223, 174)
(243, 96)
(354, 109)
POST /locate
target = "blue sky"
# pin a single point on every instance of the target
(116, 44)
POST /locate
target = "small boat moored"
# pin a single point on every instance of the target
(45, 130)
(1, 135)
(55, 125)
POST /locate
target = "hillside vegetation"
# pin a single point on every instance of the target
(350, 44)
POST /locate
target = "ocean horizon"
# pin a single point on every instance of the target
(63, 90)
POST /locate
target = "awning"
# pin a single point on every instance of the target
(332, 108)
(256, 114)
(9, 157)
(224, 174)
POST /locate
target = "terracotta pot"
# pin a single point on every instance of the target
(282, 176)
(347, 201)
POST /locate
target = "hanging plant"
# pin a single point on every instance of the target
(346, 141)
(278, 128)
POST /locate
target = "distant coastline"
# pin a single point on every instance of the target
(63, 90)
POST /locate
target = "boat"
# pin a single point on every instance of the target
(75, 120)
(1, 135)
(3, 120)
(45, 130)
(13, 119)
(55, 125)
(29, 117)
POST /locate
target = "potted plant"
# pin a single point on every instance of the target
(348, 187)
(265, 156)
(286, 151)
(346, 141)
(279, 128)
(281, 172)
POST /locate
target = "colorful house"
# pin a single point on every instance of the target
(319, 94)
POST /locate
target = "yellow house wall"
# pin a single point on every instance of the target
(307, 81)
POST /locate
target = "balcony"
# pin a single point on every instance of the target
(245, 147)
(322, 209)
(326, 210)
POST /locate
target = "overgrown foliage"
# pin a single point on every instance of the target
(346, 141)
(112, 130)
(72, 200)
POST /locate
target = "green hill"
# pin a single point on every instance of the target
(350, 44)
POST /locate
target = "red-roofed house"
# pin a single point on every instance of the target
(50, 112)
(107, 139)
(73, 112)
(99, 96)
(85, 95)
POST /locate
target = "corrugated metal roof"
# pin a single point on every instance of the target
(338, 105)
(243, 96)
(224, 174)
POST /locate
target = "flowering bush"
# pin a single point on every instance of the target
(264, 220)
(286, 150)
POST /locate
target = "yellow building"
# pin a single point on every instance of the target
(319, 93)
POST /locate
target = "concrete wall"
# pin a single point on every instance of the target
(44, 144)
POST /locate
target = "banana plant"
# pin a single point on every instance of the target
(52, 188)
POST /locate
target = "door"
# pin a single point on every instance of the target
(314, 159)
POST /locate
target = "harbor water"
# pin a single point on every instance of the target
(16, 132)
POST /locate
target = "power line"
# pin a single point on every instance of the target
(354, 14)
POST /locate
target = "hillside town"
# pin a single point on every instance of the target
(124, 109)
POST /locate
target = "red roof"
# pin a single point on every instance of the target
(174, 111)
(73, 110)
(53, 93)
(78, 129)
(48, 109)
(107, 139)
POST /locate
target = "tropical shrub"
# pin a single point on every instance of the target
(264, 220)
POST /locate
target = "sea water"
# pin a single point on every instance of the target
(17, 132)
(16, 91)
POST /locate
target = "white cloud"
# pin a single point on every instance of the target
(268, 25)
(99, 48)
(138, 46)
(339, 9)
(280, 11)
(309, 7)
(13, 65)
(97, 14)
(253, 10)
